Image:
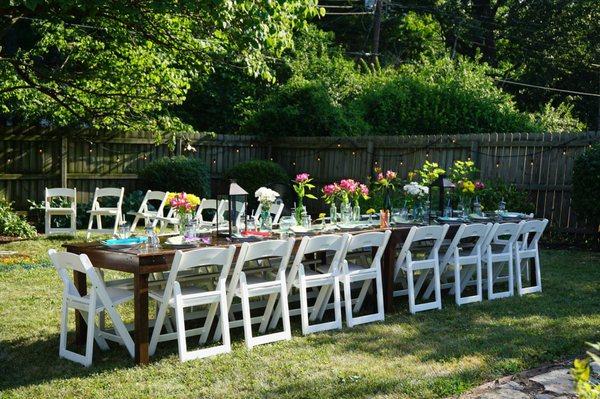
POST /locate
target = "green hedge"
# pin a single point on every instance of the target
(255, 174)
(177, 174)
(586, 186)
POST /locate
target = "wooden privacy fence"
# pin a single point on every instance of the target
(539, 163)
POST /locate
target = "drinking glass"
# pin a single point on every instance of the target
(285, 224)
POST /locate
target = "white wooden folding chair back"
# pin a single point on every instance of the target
(180, 297)
(498, 253)
(464, 256)
(526, 250)
(144, 212)
(275, 210)
(326, 280)
(434, 236)
(367, 273)
(98, 211)
(98, 299)
(246, 286)
(70, 194)
(207, 204)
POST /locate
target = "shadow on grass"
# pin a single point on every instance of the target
(506, 336)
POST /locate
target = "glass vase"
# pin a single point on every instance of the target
(298, 213)
(333, 214)
(417, 212)
(184, 220)
(266, 220)
(345, 212)
(356, 213)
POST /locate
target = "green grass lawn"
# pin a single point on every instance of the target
(433, 354)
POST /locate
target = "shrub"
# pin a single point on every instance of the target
(11, 224)
(437, 97)
(496, 190)
(586, 185)
(177, 174)
(254, 174)
(298, 108)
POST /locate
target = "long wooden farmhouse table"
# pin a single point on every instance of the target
(142, 262)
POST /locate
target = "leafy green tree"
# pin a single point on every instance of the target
(115, 65)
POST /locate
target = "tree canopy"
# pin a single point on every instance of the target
(122, 65)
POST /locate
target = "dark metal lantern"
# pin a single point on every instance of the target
(443, 184)
(237, 203)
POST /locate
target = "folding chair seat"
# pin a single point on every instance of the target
(325, 279)
(498, 255)
(99, 299)
(98, 211)
(408, 265)
(257, 284)
(462, 259)
(526, 249)
(70, 194)
(178, 297)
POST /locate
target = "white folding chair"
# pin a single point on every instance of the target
(498, 252)
(98, 211)
(526, 248)
(463, 255)
(99, 298)
(327, 279)
(353, 272)
(407, 264)
(144, 212)
(71, 212)
(207, 204)
(275, 210)
(180, 297)
(249, 285)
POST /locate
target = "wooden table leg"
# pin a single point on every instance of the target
(140, 289)
(388, 263)
(79, 279)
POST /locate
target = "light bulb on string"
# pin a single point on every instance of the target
(497, 164)
(214, 161)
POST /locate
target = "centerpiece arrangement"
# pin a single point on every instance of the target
(386, 183)
(349, 192)
(415, 194)
(463, 174)
(302, 184)
(185, 205)
(266, 197)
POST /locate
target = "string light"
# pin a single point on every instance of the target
(251, 145)
(590, 144)
(531, 162)
(427, 154)
(497, 163)
(469, 159)
(214, 161)
(294, 163)
(339, 145)
(353, 152)
(271, 158)
(145, 157)
(237, 150)
(40, 151)
(564, 151)
(401, 162)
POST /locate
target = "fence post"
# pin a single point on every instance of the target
(370, 149)
(475, 153)
(64, 161)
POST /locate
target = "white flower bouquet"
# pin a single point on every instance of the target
(416, 190)
(266, 196)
